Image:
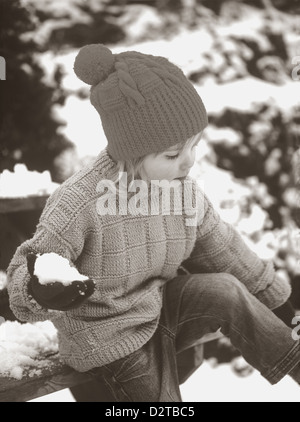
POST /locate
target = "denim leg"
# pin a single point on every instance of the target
(202, 303)
(195, 305)
(147, 375)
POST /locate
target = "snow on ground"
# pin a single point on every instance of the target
(244, 93)
(213, 384)
(86, 133)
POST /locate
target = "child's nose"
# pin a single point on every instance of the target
(188, 160)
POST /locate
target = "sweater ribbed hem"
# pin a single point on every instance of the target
(105, 354)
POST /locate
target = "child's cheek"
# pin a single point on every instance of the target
(168, 169)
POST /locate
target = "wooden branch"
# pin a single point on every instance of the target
(53, 377)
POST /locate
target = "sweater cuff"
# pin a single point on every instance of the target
(276, 294)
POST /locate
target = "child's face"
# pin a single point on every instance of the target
(174, 163)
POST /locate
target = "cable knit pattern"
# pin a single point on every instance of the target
(129, 257)
(127, 84)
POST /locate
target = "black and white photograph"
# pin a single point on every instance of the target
(150, 203)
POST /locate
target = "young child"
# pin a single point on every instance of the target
(127, 322)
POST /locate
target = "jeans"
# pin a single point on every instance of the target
(194, 305)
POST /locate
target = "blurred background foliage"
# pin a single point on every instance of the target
(29, 28)
(258, 143)
(28, 130)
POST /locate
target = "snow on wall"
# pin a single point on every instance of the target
(22, 344)
(21, 182)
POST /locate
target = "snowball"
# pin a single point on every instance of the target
(50, 267)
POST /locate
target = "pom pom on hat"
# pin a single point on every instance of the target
(94, 63)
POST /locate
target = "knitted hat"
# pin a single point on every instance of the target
(146, 104)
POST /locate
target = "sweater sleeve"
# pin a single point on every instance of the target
(67, 244)
(220, 248)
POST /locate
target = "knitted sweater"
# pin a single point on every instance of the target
(129, 257)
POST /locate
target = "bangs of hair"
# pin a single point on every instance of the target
(134, 168)
(182, 145)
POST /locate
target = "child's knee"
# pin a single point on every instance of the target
(221, 289)
(213, 290)
(219, 281)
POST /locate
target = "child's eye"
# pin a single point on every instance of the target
(172, 157)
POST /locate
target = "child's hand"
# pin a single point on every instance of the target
(56, 295)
